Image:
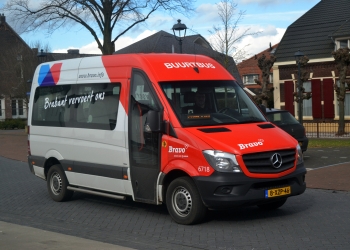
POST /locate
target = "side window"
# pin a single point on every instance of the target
(97, 106)
(51, 106)
(93, 106)
(141, 92)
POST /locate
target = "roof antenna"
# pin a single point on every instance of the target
(195, 58)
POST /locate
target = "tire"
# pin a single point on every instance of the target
(272, 205)
(183, 202)
(57, 184)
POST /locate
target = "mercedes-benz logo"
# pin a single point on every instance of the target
(276, 160)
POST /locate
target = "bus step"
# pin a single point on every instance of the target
(88, 191)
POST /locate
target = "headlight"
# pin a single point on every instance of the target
(221, 161)
(300, 155)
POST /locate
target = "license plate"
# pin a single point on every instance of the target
(277, 192)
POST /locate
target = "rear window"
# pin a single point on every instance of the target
(281, 118)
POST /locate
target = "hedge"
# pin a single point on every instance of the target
(13, 124)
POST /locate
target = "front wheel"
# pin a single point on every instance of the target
(57, 184)
(184, 203)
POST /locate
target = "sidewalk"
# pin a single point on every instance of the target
(13, 145)
(13, 237)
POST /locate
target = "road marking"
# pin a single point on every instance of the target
(329, 166)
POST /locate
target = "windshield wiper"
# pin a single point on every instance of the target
(251, 120)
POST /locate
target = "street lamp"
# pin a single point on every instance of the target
(179, 27)
(298, 55)
(41, 56)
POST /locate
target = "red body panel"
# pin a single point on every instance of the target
(185, 152)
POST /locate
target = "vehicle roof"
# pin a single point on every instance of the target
(276, 111)
(161, 66)
(168, 67)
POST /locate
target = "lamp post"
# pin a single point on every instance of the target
(298, 55)
(41, 56)
(179, 27)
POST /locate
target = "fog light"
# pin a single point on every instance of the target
(224, 190)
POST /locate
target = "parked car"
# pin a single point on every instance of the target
(286, 121)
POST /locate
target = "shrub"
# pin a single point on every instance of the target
(13, 124)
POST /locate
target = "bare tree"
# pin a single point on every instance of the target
(39, 45)
(101, 17)
(226, 36)
(342, 60)
(265, 64)
(300, 95)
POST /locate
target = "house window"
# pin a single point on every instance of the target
(1, 108)
(14, 107)
(307, 104)
(18, 108)
(249, 79)
(343, 43)
(346, 103)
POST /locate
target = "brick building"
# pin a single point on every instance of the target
(15, 69)
(321, 30)
(249, 70)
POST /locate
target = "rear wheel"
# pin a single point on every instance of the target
(57, 184)
(273, 205)
(183, 201)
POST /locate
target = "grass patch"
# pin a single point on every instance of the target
(328, 143)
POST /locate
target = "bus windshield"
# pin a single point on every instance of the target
(208, 103)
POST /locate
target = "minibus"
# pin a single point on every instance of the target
(174, 129)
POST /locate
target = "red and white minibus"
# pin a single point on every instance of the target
(160, 128)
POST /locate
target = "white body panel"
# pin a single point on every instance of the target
(92, 146)
(98, 182)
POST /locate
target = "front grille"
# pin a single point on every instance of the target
(262, 163)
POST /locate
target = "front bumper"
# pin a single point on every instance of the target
(225, 190)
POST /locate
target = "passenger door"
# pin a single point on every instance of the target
(144, 146)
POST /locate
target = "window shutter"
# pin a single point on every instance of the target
(316, 98)
(288, 96)
(328, 98)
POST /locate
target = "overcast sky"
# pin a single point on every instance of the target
(271, 17)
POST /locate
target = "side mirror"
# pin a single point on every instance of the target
(262, 108)
(153, 122)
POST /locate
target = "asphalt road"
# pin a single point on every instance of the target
(317, 219)
(321, 157)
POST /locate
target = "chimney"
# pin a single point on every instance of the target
(2, 18)
(73, 51)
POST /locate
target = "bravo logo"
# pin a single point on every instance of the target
(49, 76)
(260, 142)
(177, 150)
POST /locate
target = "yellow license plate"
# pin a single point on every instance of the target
(277, 192)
